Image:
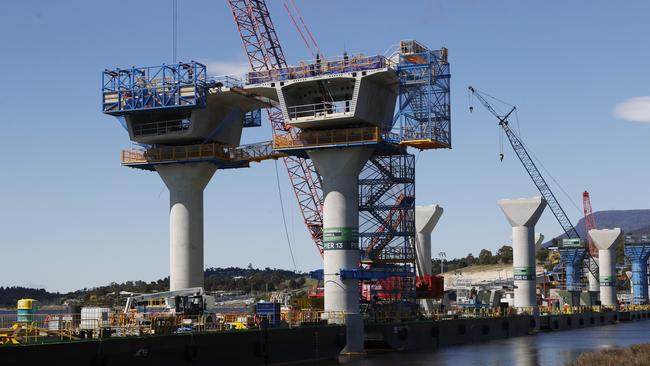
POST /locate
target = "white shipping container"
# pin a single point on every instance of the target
(94, 317)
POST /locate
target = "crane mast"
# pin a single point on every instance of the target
(536, 176)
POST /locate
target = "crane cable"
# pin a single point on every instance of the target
(175, 29)
(284, 218)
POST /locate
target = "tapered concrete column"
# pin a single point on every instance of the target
(339, 170)
(426, 219)
(186, 183)
(523, 213)
(606, 240)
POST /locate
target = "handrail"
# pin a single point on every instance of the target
(319, 67)
(161, 127)
(319, 109)
(328, 137)
(245, 153)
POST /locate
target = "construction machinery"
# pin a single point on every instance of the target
(386, 183)
(190, 301)
(539, 181)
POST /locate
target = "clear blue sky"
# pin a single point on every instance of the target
(72, 217)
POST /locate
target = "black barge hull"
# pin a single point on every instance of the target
(250, 347)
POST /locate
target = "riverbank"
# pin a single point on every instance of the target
(636, 355)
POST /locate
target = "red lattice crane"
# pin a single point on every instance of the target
(590, 222)
(264, 52)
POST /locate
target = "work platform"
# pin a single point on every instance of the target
(406, 96)
(177, 104)
(222, 156)
(299, 142)
(332, 92)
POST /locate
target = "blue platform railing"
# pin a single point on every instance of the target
(181, 85)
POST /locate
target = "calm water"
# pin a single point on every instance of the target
(544, 349)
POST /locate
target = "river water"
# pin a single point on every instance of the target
(543, 349)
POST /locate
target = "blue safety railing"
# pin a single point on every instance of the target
(180, 86)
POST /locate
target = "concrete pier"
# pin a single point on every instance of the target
(186, 183)
(426, 219)
(523, 214)
(606, 240)
(339, 169)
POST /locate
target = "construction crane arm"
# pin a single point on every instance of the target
(531, 168)
(536, 176)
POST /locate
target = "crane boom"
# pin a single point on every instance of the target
(537, 177)
(590, 222)
(264, 52)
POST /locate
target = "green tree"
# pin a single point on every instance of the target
(485, 257)
(504, 254)
(542, 255)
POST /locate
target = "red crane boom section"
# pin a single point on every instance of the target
(590, 222)
(264, 52)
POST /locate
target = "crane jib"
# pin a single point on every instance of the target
(539, 181)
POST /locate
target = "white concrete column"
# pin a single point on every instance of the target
(606, 240)
(594, 286)
(523, 213)
(426, 219)
(186, 183)
(339, 169)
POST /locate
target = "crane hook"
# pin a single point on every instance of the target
(501, 157)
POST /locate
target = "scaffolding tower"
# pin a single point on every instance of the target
(424, 110)
(387, 225)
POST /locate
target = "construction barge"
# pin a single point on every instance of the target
(184, 330)
(177, 326)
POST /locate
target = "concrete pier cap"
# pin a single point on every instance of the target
(606, 240)
(523, 214)
(523, 211)
(426, 219)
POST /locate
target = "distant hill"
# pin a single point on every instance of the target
(226, 279)
(631, 221)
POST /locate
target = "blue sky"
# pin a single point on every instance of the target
(73, 218)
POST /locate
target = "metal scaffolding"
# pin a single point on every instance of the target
(424, 108)
(387, 224)
(177, 86)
